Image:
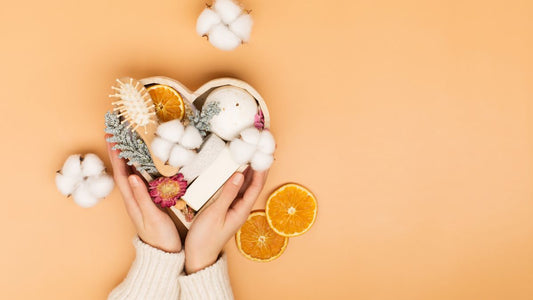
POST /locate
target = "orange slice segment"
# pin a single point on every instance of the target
(257, 241)
(291, 210)
(168, 102)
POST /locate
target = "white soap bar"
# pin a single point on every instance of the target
(206, 156)
(211, 179)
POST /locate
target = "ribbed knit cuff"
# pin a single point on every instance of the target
(208, 284)
(153, 275)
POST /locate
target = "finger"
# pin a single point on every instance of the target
(248, 175)
(120, 174)
(119, 166)
(242, 207)
(229, 192)
(144, 201)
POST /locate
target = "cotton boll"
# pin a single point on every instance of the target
(266, 142)
(83, 196)
(161, 148)
(241, 152)
(100, 186)
(179, 156)
(207, 19)
(170, 131)
(72, 166)
(222, 38)
(191, 138)
(261, 161)
(242, 27)
(92, 165)
(227, 10)
(66, 184)
(251, 135)
(238, 109)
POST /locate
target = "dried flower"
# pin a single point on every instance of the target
(259, 121)
(165, 191)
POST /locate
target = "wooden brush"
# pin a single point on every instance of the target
(134, 103)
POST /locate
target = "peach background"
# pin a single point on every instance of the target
(410, 120)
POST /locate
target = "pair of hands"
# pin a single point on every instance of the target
(211, 229)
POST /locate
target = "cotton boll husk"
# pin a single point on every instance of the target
(266, 142)
(251, 135)
(72, 166)
(92, 165)
(227, 10)
(179, 156)
(222, 38)
(241, 152)
(66, 184)
(191, 138)
(170, 131)
(161, 148)
(238, 110)
(83, 196)
(207, 19)
(261, 161)
(100, 186)
(242, 27)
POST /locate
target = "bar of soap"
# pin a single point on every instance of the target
(209, 151)
(210, 180)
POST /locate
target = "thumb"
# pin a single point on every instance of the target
(140, 193)
(230, 190)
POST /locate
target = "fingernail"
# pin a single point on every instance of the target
(237, 178)
(133, 180)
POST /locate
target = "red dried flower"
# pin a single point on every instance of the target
(259, 120)
(165, 191)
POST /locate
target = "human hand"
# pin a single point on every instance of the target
(153, 225)
(214, 226)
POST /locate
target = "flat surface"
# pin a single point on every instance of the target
(410, 120)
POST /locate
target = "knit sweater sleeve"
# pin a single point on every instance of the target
(211, 283)
(153, 275)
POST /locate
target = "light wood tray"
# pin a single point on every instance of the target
(196, 99)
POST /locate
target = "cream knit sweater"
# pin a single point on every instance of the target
(159, 275)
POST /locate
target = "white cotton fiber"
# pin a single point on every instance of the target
(179, 156)
(100, 186)
(210, 150)
(72, 166)
(65, 184)
(266, 142)
(86, 182)
(191, 138)
(171, 131)
(251, 135)
(222, 38)
(242, 27)
(261, 161)
(241, 152)
(83, 196)
(161, 148)
(91, 165)
(207, 19)
(227, 10)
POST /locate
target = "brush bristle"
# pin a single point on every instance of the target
(135, 104)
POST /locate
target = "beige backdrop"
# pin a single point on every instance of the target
(410, 121)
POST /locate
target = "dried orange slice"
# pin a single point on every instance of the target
(168, 102)
(257, 241)
(291, 210)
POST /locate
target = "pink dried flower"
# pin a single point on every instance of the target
(259, 120)
(165, 191)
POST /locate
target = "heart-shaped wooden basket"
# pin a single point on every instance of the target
(196, 99)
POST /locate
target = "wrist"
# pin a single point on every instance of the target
(194, 263)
